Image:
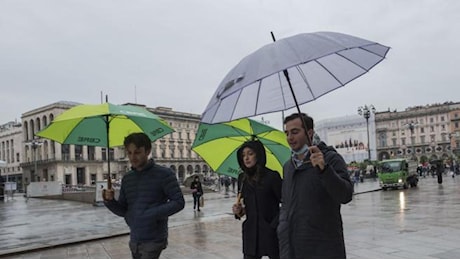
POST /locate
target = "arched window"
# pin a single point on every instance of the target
(38, 125)
(31, 129)
(44, 121)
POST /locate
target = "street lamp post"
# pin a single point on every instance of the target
(366, 112)
(34, 145)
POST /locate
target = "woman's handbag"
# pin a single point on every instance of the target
(202, 201)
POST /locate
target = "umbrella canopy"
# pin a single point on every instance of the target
(188, 181)
(217, 144)
(104, 125)
(313, 64)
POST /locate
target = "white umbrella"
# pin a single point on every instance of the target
(313, 64)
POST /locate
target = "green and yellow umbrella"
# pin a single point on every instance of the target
(104, 125)
(217, 144)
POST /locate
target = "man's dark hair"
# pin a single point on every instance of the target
(307, 119)
(139, 140)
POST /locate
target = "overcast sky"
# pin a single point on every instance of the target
(175, 53)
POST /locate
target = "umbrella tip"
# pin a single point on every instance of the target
(273, 36)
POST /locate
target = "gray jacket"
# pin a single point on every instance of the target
(310, 224)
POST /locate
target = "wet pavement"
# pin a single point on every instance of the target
(420, 222)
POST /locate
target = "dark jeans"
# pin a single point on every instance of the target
(147, 250)
(196, 201)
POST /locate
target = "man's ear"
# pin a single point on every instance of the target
(310, 133)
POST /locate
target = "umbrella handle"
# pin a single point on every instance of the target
(109, 183)
(238, 198)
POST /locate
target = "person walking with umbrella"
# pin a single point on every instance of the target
(149, 194)
(260, 189)
(315, 184)
(197, 192)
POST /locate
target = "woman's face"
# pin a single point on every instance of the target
(249, 157)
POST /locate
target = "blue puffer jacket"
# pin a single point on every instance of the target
(147, 198)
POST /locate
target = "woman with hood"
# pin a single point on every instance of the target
(260, 190)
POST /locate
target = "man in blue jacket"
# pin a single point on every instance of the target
(149, 194)
(315, 184)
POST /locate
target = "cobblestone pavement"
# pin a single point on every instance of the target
(420, 222)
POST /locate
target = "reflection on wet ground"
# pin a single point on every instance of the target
(421, 222)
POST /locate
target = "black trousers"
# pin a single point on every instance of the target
(196, 201)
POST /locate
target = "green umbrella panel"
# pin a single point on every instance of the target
(217, 144)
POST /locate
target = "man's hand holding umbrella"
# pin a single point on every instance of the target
(317, 157)
(108, 194)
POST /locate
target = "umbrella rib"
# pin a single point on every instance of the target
(270, 140)
(329, 72)
(304, 77)
(361, 48)
(384, 55)
(238, 98)
(257, 99)
(239, 131)
(282, 92)
(338, 54)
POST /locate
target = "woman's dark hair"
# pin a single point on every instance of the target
(261, 159)
(139, 140)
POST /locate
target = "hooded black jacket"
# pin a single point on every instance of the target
(310, 224)
(261, 199)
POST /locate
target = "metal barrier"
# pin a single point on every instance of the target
(77, 188)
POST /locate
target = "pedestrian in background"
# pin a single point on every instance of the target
(197, 192)
(260, 191)
(315, 184)
(234, 181)
(149, 194)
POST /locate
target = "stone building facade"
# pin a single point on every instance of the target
(422, 132)
(348, 135)
(46, 160)
(11, 151)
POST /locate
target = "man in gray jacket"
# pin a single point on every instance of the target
(315, 184)
(149, 194)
